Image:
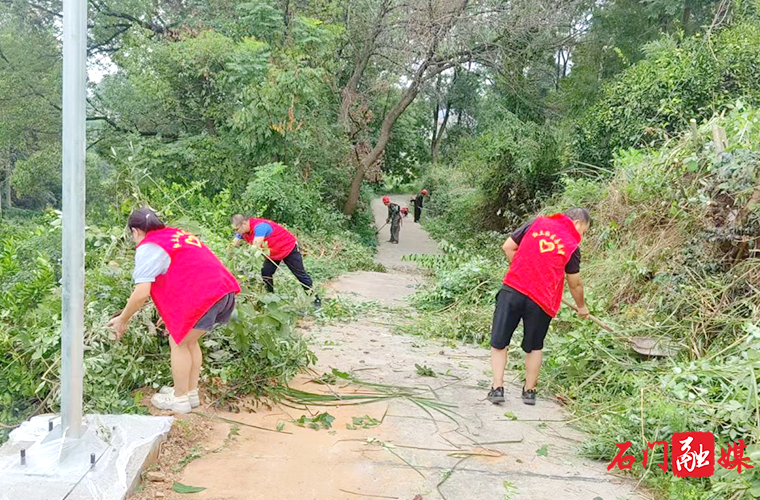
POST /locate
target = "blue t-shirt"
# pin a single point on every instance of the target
(262, 229)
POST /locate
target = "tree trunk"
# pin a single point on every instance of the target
(349, 93)
(422, 74)
(5, 188)
(348, 97)
(7, 191)
(565, 59)
(3, 176)
(437, 141)
(382, 141)
(436, 110)
(351, 88)
(355, 191)
(435, 146)
(286, 17)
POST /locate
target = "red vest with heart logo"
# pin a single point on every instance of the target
(195, 281)
(538, 268)
(281, 242)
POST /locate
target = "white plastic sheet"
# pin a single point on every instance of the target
(55, 465)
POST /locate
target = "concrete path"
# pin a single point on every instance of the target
(412, 239)
(485, 452)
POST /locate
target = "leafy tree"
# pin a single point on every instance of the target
(30, 111)
(679, 79)
(423, 40)
(612, 35)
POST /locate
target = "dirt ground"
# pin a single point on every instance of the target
(478, 452)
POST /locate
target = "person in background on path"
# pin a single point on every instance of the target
(542, 254)
(404, 211)
(192, 291)
(394, 218)
(281, 244)
(418, 201)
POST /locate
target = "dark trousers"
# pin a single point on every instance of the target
(417, 213)
(395, 229)
(294, 261)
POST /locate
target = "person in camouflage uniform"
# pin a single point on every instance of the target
(394, 218)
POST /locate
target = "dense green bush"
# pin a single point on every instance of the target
(276, 193)
(498, 178)
(679, 79)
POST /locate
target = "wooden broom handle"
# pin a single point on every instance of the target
(591, 316)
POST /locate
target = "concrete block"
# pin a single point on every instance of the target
(104, 464)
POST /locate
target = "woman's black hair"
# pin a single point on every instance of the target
(144, 219)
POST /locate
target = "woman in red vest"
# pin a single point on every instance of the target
(282, 246)
(192, 291)
(542, 254)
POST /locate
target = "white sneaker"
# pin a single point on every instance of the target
(171, 403)
(195, 400)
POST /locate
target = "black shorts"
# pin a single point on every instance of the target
(218, 314)
(511, 307)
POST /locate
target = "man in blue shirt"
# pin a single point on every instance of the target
(281, 245)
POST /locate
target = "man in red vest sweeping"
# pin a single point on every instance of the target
(542, 254)
(282, 246)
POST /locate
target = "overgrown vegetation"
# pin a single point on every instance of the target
(671, 256)
(258, 350)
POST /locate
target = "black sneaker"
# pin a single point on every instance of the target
(529, 397)
(496, 396)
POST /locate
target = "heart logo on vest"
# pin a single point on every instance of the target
(546, 246)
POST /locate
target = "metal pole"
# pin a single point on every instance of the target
(74, 81)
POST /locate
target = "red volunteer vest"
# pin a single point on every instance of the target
(538, 268)
(281, 242)
(195, 281)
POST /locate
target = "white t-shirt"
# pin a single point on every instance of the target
(151, 261)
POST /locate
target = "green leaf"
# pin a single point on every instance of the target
(543, 451)
(510, 415)
(365, 422)
(185, 489)
(341, 374)
(280, 426)
(323, 419)
(424, 371)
